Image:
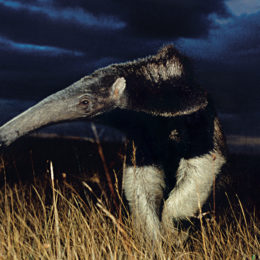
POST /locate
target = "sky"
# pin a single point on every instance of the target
(45, 45)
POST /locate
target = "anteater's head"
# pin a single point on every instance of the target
(86, 98)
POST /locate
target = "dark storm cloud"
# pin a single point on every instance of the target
(157, 18)
(86, 25)
(38, 28)
(33, 75)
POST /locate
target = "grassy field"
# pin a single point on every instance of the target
(72, 215)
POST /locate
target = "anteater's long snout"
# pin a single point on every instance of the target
(33, 118)
(53, 109)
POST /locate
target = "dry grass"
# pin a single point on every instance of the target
(60, 218)
(35, 224)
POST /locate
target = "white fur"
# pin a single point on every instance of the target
(161, 72)
(195, 179)
(174, 68)
(143, 187)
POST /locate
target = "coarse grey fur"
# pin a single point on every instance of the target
(180, 148)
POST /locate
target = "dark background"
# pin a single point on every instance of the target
(45, 45)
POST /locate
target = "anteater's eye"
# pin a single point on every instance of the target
(84, 102)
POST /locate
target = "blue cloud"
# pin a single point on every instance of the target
(238, 7)
(11, 4)
(71, 14)
(231, 39)
(6, 44)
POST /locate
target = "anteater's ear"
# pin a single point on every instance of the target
(118, 88)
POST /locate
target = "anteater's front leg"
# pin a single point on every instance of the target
(195, 178)
(143, 187)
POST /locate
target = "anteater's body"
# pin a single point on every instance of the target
(171, 120)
